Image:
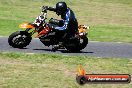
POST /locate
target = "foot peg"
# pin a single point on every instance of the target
(56, 47)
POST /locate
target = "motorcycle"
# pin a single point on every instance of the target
(47, 35)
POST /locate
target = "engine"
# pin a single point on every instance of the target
(49, 39)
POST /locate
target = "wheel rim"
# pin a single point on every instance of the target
(19, 40)
(81, 41)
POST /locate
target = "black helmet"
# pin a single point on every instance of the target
(61, 8)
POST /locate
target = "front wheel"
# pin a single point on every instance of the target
(19, 39)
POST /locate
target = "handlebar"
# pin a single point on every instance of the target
(41, 18)
(44, 11)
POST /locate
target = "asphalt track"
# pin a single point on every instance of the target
(97, 49)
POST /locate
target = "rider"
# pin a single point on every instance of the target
(68, 24)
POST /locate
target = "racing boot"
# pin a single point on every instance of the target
(56, 47)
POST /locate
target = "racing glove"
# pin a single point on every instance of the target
(44, 8)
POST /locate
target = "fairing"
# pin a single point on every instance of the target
(26, 25)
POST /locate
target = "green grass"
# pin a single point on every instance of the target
(111, 33)
(110, 20)
(19, 70)
(127, 2)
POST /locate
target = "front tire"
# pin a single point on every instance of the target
(19, 39)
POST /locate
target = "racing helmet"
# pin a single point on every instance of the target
(61, 8)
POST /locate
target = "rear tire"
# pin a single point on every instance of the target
(19, 39)
(83, 43)
(77, 46)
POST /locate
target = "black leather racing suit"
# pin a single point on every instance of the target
(70, 24)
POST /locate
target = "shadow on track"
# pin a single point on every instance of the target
(24, 48)
(62, 51)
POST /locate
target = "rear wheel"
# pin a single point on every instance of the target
(19, 39)
(77, 45)
(83, 42)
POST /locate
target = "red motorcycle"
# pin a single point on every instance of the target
(46, 34)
